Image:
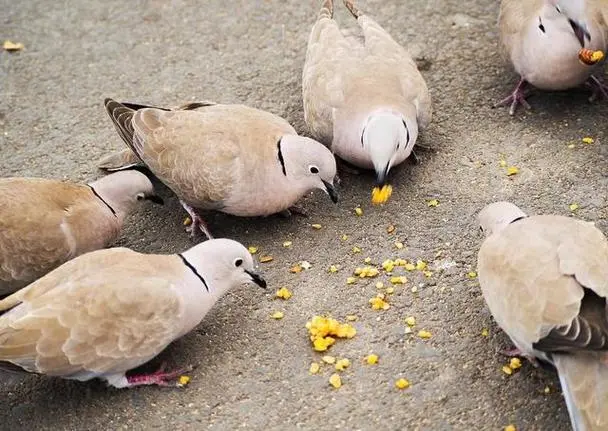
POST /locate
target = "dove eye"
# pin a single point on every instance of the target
(238, 262)
(558, 9)
(314, 170)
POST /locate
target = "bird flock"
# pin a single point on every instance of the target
(75, 309)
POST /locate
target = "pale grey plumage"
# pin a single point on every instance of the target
(44, 222)
(367, 100)
(109, 311)
(545, 280)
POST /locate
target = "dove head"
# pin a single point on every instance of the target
(308, 165)
(388, 139)
(121, 190)
(223, 264)
(497, 216)
(565, 19)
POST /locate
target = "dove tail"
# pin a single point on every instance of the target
(352, 8)
(327, 9)
(584, 381)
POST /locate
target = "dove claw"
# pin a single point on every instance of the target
(517, 97)
(197, 223)
(161, 377)
(599, 88)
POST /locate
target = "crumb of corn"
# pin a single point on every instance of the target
(420, 265)
(187, 221)
(367, 271)
(512, 170)
(351, 280)
(414, 289)
(587, 140)
(399, 245)
(510, 427)
(402, 384)
(335, 381)
(410, 321)
(573, 207)
(400, 262)
(471, 274)
(515, 363)
(328, 359)
(278, 315)
(388, 265)
(183, 381)
(390, 290)
(378, 303)
(252, 249)
(484, 332)
(316, 226)
(344, 237)
(399, 280)
(359, 211)
(433, 203)
(590, 57)
(381, 195)
(283, 293)
(507, 370)
(351, 317)
(379, 285)
(356, 249)
(322, 331)
(547, 389)
(371, 359)
(424, 334)
(321, 344)
(342, 364)
(297, 268)
(502, 163)
(333, 268)
(314, 368)
(265, 259)
(11, 46)
(409, 266)
(427, 274)
(287, 244)
(390, 229)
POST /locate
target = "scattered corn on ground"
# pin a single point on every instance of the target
(324, 331)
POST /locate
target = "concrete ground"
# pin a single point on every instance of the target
(252, 370)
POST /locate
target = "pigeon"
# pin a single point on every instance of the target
(45, 222)
(109, 311)
(229, 158)
(545, 280)
(544, 39)
(365, 99)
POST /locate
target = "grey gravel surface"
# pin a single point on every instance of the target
(252, 370)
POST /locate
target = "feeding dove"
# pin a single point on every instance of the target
(545, 280)
(110, 311)
(229, 158)
(543, 39)
(44, 222)
(366, 100)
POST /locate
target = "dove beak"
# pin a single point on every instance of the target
(330, 189)
(156, 199)
(580, 31)
(382, 175)
(257, 279)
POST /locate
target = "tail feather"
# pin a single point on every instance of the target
(584, 380)
(327, 9)
(122, 117)
(352, 8)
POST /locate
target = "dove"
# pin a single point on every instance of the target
(366, 99)
(45, 222)
(109, 311)
(542, 40)
(545, 280)
(229, 158)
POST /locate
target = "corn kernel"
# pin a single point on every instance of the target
(507, 370)
(402, 384)
(356, 249)
(409, 267)
(510, 428)
(333, 269)
(278, 315)
(471, 274)
(265, 259)
(515, 363)
(433, 203)
(379, 285)
(587, 140)
(351, 280)
(335, 381)
(283, 293)
(424, 334)
(351, 317)
(342, 364)
(484, 332)
(359, 211)
(390, 290)
(371, 359)
(316, 226)
(344, 237)
(381, 195)
(399, 280)
(187, 221)
(573, 207)
(427, 274)
(512, 170)
(287, 244)
(502, 163)
(410, 321)
(378, 303)
(183, 381)
(390, 229)
(399, 245)
(321, 344)
(388, 265)
(314, 368)
(420, 265)
(328, 359)
(252, 249)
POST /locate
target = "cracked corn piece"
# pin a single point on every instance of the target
(372, 359)
(424, 334)
(510, 427)
(399, 280)
(351, 280)
(252, 249)
(342, 364)
(381, 195)
(283, 293)
(410, 321)
(329, 359)
(507, 370)
(346, 331)
(421, 265)
(388, 265)
(359, 211)
(378, 303)
(590, 57)
(409, 267)
(515, 363)
(183, 381)
(278, 315)
(402, 384)
(314, 368)
(335, 381)
(321, 344)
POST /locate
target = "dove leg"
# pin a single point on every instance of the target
(599, 88)
(516, 352)
(517, 97)
(197, 222)
(159, 378)
(352, 8)
(294, 209)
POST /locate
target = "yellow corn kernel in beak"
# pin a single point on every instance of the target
(381, 195)
(590, 57)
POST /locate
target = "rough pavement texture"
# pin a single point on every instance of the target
(252, 370)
